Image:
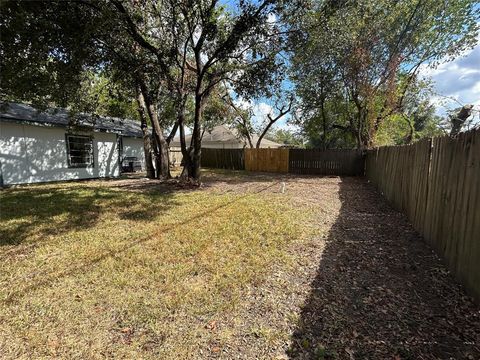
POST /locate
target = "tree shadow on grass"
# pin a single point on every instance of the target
(163, 229)
(381, 293)
(56, 210)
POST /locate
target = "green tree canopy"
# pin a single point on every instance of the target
(354, 62)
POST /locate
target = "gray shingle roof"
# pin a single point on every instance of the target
(61, 118)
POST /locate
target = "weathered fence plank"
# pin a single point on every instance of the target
(232, 159)
(436, 183)
(326, 162)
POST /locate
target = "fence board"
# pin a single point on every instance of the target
(268, 160)
(326, 162)
(436, 183)
(232, 159)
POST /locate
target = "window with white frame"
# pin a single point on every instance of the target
(79, 151)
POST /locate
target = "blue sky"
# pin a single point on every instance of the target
(457, 82)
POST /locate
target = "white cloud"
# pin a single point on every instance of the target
(260, 112)
(242, 103)
(456, 82)
(271, 18)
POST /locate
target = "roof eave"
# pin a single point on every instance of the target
(65, 126)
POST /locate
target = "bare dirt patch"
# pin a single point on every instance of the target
(365, 287)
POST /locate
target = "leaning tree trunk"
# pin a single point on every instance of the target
(162, 161)
(147, 148)
(192, 154)
(147, 142)
(262, 135)
(157, 158)
(196, 140)
(186, 151)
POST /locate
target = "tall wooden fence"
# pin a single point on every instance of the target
(326, 162)
(297, 161)
(436, 182)
(269, 160)
(233, 159)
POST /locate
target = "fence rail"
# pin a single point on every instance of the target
(436, 183)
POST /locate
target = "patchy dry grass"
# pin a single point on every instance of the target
(237, 269)
(94, 270)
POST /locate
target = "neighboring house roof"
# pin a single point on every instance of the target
(222, 134)
(61, 118)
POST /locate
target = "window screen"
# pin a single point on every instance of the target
(79, 151)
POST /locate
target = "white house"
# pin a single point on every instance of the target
(38, 146)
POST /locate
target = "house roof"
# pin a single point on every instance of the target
(223, 134)
(15, 112)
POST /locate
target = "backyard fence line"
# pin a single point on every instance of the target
(232, 159)
(436, 183)
(326, 162)
(297, 161)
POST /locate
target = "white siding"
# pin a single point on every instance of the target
(134, 147)
(30, 154)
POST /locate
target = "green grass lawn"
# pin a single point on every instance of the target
(92, 270)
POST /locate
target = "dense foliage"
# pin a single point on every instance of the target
(356, 64)
(346, 72)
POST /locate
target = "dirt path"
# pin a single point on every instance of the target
(381, 292)
(367, 287)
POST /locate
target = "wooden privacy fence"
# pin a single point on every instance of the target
(297, 161)
(436, 182)
(233, 159)
(326, 162)
(269, 160)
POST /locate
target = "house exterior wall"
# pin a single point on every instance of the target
(30, 154)
(134, 147)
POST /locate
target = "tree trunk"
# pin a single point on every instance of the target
(186, 152)
(147, 142)
(147, 147)
(260, 138)
(196, 140)
(249, 137)
(324, 121)
(162, 161)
